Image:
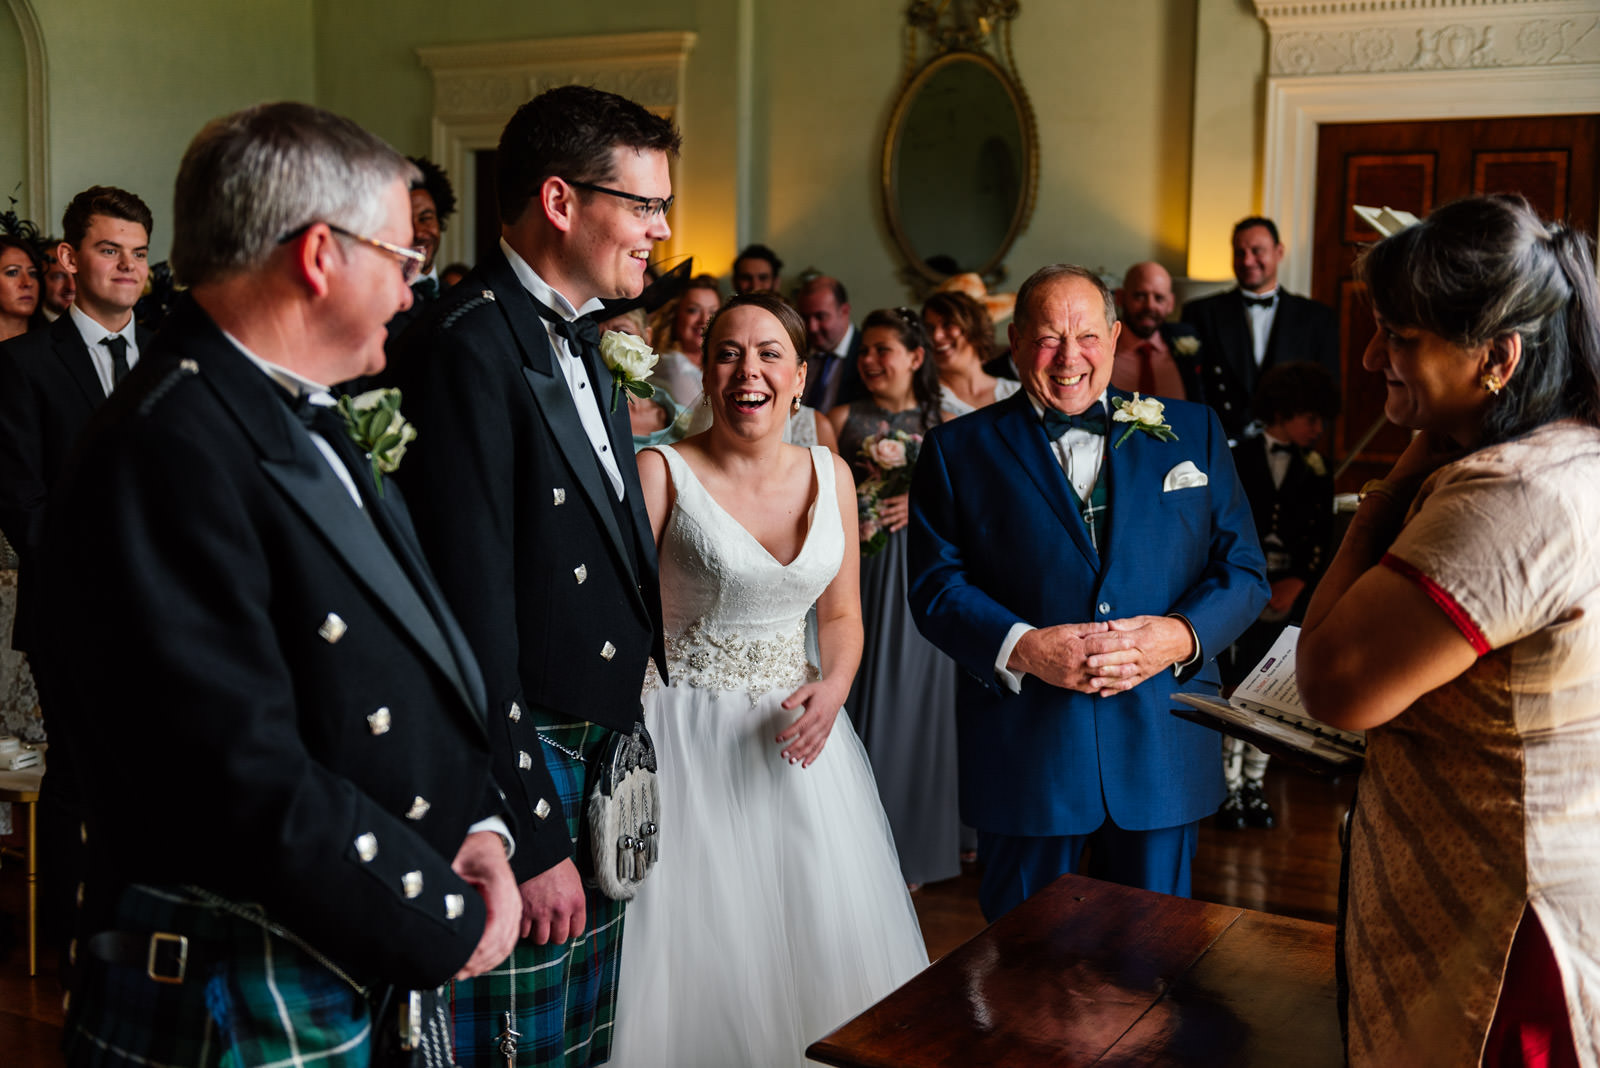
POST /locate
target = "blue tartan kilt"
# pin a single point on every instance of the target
(563, 997)
(248, 997)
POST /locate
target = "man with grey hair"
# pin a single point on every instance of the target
(293, 835)
(1082, 556)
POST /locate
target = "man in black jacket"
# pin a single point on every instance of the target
(281, 728)
(1258, 325)
(527, 500)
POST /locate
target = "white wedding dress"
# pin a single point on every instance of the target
(777, 911)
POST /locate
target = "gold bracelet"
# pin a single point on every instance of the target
(1378, 487)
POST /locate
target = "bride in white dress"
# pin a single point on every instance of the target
(776, 911)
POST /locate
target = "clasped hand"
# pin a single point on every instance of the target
(804, 738)
(1103, 658)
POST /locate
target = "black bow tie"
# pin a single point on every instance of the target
(1253, 301)
(582, 333)
(1277, 447)
(1058, 423)
(426, 288)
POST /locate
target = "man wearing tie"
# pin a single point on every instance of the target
(51, 381)
(293, 835)
(527, 501)
(1154, 357)
(831, 375)
(1258, 325)
(1081, 569)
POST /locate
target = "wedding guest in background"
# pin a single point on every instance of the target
(903, 701)
(452, 273)
(777, 912)
(962, 338)
(831, 376)
(1069, 572)
(1291, 496)
(59, 287)
(756, 268)
(1457, 624)
(19, 286)
(1154, 357)
(1256, 326)
(433, 201)
(51, 382)
(678, 337)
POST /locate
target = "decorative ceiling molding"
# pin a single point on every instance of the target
(477, 87)
(1408, 60)
(1371, 36)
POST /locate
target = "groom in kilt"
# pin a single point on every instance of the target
(528, 505)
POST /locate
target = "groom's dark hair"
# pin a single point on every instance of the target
(569, 132)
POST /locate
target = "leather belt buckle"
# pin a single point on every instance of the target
(168, 958)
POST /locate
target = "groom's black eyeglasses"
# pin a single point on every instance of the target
(648, 206)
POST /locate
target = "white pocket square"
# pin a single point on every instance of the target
(1185, 476)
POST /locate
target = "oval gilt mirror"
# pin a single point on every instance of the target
(959, 166)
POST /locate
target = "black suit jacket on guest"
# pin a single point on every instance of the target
(1188, 366)
(851, 388)
(1298, 515)
(257, 675)
(48, 392)
(1302, 330)
(553, 579)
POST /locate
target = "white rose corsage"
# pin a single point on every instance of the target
(630, 360)
(1142, 413)
(1187, 345)
(1314, 462)
(374, 423)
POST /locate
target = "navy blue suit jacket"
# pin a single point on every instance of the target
(996, 539)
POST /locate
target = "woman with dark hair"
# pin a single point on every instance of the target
(1459, 624)
(904, 698)
(961, 337)
(776, 912)
(19, 286)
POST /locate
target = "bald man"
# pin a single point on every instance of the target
(1154, 357)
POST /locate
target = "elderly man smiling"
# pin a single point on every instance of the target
(1082, 555)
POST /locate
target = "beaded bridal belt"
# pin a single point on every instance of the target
(729, 662)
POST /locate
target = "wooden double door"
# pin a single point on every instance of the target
(1417, 166)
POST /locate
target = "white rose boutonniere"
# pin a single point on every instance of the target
(374, 423)
(1314, 462)
(1142, 413)
(630, 360)
(1186, 346)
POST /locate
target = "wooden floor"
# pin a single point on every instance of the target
(1291, 870)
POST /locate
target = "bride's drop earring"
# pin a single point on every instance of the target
(794, 405)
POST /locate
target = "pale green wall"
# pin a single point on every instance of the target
(131, 84)
(13, 117)
(1120, 89)
(1229, 120)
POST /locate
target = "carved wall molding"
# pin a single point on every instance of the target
(34, 203)
(477, 87)
(1407, 60)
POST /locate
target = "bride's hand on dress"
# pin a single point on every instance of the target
(805, 737)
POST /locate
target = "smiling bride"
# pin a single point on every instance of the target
(777, 910)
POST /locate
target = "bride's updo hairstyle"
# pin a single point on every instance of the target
(768, 302)
(1484, 268)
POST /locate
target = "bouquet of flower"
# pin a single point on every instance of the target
(888, 458)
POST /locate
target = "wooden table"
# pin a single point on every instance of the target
(22, 788)
(1093, 973)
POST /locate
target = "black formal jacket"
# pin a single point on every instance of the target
(1189, 366)
(553, 579)
(1303, 330)
(48, 391)
(1298, 514)
(265, 691)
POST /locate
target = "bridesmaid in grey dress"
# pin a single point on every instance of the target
(903, 700)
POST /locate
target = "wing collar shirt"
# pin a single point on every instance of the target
(572, 368)
(94, 336)
(1260, 317)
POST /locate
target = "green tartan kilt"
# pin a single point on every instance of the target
(564, 997)
(248, 997)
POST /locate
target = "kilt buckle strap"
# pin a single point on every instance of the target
(168, 958)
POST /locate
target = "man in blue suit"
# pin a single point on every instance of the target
(1081, 567)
